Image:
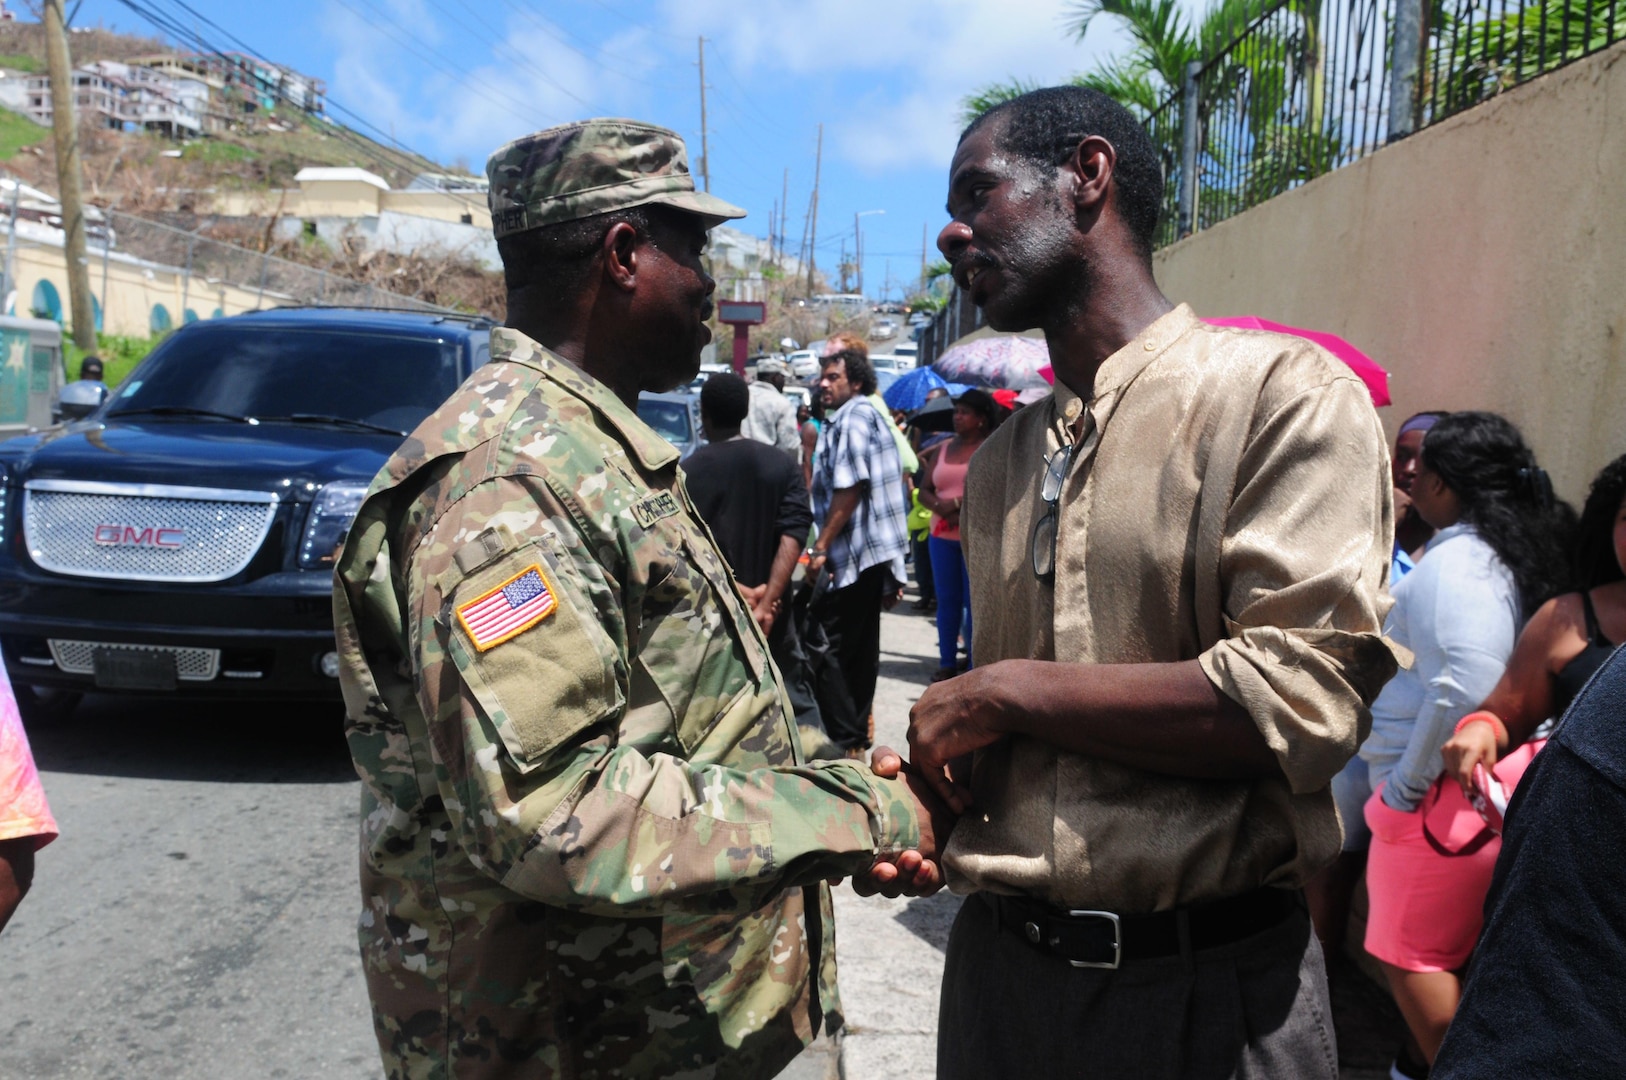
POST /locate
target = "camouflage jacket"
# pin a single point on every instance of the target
(590, 845)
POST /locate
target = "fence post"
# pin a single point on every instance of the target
(265, 275)
(186, 282)
(107, 245)
(1405, 68)
(1190, 144)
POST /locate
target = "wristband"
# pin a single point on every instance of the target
(1484, 717)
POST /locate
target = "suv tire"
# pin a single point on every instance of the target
(43, 705)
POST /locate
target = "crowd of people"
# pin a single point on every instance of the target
(1206, 649)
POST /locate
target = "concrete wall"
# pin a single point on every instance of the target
(1482, 261)
(131, 291)
(354, 200)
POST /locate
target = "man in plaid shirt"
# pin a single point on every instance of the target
(861, 505)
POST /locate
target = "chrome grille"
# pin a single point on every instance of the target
(191, 665)
(143, 532)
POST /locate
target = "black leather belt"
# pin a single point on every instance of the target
(1104, 939)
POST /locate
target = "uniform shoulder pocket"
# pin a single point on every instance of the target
(521, 632)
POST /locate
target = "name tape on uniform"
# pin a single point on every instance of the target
(648, 511)
(509, 609)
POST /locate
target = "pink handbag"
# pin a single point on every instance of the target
(1454, 826)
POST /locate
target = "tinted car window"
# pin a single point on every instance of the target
(390, 380)
(670, 419)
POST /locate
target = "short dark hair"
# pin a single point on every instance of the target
(1595, 560)
(725, 400)
(857, 367)
(1044, 127)
(555, 258)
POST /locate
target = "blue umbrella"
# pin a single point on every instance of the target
(909, 392)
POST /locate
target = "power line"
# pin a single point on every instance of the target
(410, 161)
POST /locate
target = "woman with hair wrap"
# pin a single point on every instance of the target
(1412, 533)
(1498, 557)
(1566, 640)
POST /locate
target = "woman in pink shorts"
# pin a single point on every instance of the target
(1499, 554)
(26, 824)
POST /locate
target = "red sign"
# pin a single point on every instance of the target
(129, 536)
(742, 312)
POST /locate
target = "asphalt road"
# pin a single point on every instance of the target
(196, 917)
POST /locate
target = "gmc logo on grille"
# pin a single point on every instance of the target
(130, 536)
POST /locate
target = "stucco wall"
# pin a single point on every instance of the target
(1482, 261)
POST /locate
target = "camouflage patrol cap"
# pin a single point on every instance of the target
(590, 167)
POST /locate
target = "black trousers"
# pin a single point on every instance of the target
(786, 646)
(1256, 1009)
(851, 621)
(923, 569)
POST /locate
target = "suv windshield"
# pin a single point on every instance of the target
(389, 381)
(670, 419)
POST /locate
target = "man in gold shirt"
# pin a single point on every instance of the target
(1178, 569)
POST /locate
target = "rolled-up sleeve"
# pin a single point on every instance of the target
(1303, 565)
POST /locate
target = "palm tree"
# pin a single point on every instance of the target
(1164, 40)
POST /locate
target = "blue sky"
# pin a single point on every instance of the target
(456, 78)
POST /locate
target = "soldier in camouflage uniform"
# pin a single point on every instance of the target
(590, 844)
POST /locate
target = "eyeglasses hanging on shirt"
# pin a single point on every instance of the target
(1057, 467)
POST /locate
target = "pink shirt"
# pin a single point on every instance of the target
(949, 480)
(23, 809)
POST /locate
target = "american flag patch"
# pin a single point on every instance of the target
(511, 608)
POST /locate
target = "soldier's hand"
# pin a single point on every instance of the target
(952, 719)
(916, 872)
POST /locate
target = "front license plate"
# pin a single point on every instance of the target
(134, 669)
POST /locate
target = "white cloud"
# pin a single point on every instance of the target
(922, 58)
(500, 80)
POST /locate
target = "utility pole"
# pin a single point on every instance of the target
(813, 224)
(66, 137)
(705, 154)
(858, 251)
(784, 211)
(773, 213)
(923, 229)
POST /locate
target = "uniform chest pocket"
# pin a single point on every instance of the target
(541, 668)
(692, 647)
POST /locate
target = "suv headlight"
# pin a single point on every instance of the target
(332, 511)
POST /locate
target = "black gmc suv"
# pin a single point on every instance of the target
(180, 538)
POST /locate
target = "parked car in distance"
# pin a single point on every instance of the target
(883, 362)
(892, 307)
(799, 396)
(804, 363)
(907, 353)
(883, 329)
(675, 417)
(180, 538)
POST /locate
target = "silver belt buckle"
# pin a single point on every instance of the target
(1117, 940)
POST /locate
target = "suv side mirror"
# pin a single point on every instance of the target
(78, 400)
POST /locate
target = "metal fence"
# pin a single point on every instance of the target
(1311, 85)
(206, 265)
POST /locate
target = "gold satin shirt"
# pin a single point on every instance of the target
(1229, 502)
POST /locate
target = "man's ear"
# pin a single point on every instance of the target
(620, 251)
(1091, 166)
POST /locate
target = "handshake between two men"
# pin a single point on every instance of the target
(951, 720)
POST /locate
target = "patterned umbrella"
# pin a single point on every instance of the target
(1004, 363)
